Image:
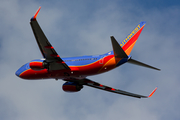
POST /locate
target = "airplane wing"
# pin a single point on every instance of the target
(110, 89)
(47, 50)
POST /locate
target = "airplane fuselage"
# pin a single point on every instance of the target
(80, 67)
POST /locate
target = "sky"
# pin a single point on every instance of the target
(77, 28)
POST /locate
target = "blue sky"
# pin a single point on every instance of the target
(78, 28)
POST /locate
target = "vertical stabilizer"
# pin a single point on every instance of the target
(128, 43)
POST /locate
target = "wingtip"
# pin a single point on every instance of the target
(35, 15)
(150, 95)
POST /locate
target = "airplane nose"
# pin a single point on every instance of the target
(21, 70)
(17, 73)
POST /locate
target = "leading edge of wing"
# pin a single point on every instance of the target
(110, 89)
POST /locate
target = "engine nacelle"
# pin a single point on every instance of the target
(38, 65)
(71, 87)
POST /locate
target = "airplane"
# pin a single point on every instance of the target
(75, 70)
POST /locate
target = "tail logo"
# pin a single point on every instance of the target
(130, 35)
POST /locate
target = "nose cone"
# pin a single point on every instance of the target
(17, 73)
(21, 70)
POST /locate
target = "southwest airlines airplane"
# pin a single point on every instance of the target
(74, 70)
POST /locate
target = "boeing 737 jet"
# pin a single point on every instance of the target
(75, 70)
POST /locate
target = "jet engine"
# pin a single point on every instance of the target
(71, 87)
(38, 65)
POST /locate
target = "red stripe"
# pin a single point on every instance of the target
(37, 13)
(50, 47)
(54, 55)
(132, 40)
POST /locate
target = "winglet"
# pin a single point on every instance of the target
(35, 15)
(152, 92)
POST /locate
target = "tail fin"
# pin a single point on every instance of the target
(128, 43)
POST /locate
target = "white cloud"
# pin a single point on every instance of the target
(86, 31)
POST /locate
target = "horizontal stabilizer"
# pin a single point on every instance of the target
(132, 61)
(118, 51)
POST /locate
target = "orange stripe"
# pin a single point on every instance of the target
(111, 62)
(37, 12)
(132, 40)
(152, 92)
